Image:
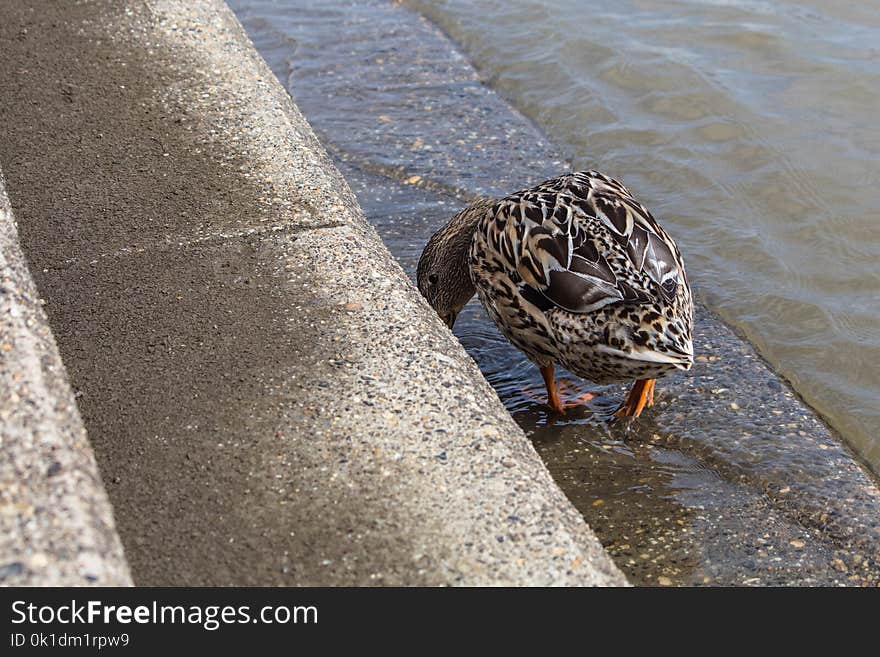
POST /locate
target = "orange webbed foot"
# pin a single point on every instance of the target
(640, 397)
(553, 399)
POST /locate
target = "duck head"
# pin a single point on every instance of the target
(443, 274)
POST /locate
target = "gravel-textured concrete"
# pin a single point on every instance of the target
(56, 525)
(269, 399)
(730, 478)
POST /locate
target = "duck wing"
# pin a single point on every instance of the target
(548, 235)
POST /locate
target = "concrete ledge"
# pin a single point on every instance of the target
(269, 398)
(56, 525)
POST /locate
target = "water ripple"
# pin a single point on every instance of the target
(751, 128)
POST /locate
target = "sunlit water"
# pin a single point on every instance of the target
(726, 480)
(751, 129)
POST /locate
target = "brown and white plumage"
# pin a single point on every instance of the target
(574, 271)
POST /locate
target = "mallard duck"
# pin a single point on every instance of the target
(574, 272)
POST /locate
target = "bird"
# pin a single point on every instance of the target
(574, 272)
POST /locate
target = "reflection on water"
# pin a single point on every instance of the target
(751, 128)
(726, 480)
(723, 481)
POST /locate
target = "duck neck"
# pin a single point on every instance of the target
(459, 235)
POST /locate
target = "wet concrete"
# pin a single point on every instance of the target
(269, 399)
(731, 478)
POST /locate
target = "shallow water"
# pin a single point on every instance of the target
(727, 480)
(750, 128)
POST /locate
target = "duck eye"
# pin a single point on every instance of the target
(432, 279)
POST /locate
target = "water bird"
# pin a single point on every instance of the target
(574, 272)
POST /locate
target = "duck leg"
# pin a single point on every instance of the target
(640, 397)
(553, 400)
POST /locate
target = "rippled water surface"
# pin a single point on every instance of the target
(751, 129)
(728, 479)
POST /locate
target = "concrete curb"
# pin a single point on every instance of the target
(56, 524)
(789, 504)
(270, 396)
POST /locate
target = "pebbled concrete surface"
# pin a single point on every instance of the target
(56, 524)
(731, 479)
(269, 399)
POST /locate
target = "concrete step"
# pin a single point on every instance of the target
(269, 399)
(56, 524)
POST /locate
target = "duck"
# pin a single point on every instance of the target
(575, 273)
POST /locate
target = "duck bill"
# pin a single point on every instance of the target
(449, 319)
